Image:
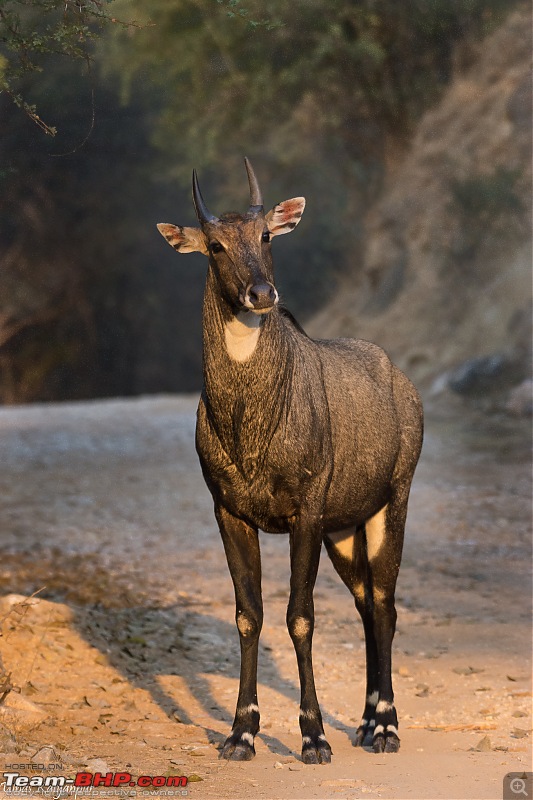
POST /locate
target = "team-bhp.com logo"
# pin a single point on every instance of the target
(15, 783)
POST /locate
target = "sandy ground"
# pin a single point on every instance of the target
(129, 661)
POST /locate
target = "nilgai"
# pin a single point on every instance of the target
(318, 439)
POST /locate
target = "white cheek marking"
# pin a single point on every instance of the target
(241, 334)
(343, 542)
(382, 706)
(375, 533)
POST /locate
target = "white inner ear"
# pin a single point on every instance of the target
(184, 240)
(284, 217)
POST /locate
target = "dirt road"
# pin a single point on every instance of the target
(129, 662)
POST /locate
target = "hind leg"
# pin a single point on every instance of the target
(347, 551)
(371, 575)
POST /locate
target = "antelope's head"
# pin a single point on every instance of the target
(238, 245)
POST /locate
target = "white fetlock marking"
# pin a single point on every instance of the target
(308, 714)
(372, 699)
(372, 723)
(379, 729)
(363, 723)
(247, 737)
(392, 729)
(307, 740)
(382, 706)
(322, 737)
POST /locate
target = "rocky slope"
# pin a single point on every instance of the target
(446, 274)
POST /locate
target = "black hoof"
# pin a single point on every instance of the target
(316, 750)
(237, 750)
(363, 735)
(392, 743)
(386, 743)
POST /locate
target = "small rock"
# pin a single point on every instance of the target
(484, 745)
(46, 755)
(519, 733)
(484, 374)
(520, 400)
(97, 765)
(278, 765)
(80, 730)
(21, 713)
(467, 670)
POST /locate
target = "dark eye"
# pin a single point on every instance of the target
(266, 236)
(216, 247)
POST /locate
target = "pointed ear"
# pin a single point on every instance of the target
(284, 217)
(184, 240)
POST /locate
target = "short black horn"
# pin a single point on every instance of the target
(202, 212)
(256, 200)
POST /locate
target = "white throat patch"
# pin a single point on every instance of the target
(241, 334)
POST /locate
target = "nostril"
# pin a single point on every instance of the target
(261, 295)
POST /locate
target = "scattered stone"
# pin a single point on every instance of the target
(484, 374)
(484, 745)
(278, 765)
(520, 400)
(18, 713)
(46, 755)
(80, 730)
(467, 670)
(519, 733)
(97, 765)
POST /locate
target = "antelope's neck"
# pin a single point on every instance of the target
(243, 352)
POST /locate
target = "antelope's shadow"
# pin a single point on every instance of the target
(143, 643)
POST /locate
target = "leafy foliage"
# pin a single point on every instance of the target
(355, 73)
(33, 31)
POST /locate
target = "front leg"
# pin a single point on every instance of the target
(241, 543)
(305, 555)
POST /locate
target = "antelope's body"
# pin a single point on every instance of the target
(317, 439)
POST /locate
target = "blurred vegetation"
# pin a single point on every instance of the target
(322, 96)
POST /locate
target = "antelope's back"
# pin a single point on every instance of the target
(376, 423)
